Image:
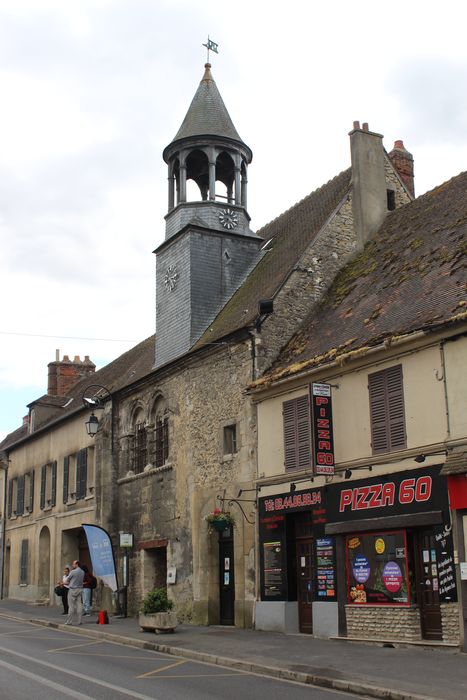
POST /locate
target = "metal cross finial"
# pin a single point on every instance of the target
(211, 46)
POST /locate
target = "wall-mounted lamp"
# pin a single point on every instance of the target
(293, 487)
(94, 400)
(419, 459)
(347, 474)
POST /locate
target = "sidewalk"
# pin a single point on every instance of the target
(403, 673)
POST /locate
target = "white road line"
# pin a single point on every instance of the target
(50, 684)
(64, 671)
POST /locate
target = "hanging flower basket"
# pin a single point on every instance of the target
(219, 521)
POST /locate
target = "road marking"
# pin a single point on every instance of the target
(209, 675)
(68, 672)
(163, 668)
(50, 684)
(75, 646)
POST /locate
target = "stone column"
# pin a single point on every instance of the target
(244, 191)
(238, 198)
(171, 189)
(212, 180)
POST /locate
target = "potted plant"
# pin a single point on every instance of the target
(219, 520)
(156, 614)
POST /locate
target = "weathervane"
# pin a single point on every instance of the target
(211, 46)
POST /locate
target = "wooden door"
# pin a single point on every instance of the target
(226, 578)
(305, 582)
(428, 587)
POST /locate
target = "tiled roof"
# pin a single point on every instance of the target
(126, 369)
(286, 239)
(207, 114)
(410, 276)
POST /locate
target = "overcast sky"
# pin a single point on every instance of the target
(93, 90)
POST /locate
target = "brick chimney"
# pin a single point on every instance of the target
(402, 160)
(63, 374)
(369, 198)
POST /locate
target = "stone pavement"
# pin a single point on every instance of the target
(367, 669)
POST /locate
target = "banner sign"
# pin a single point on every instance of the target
(321, 428)
(102, 556)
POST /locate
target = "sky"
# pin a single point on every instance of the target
(93, 90)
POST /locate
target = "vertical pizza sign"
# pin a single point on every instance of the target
(321, 419)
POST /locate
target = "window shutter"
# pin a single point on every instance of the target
(53, 491)
(396, 412)
(20, 496)
(43, 481)
(297, 433)
(387, 414)
(378, 412)
(31, 491)
(66, 476)
(10, 497)
(23, 574)
(81, 473)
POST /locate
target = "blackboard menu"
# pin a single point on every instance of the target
(273, 569)
(325, 569)
(444, 566)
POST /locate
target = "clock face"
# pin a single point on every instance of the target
(170, 277)
(228, 218)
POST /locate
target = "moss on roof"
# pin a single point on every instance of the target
(410, 276)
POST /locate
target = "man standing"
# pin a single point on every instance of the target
(75, 590)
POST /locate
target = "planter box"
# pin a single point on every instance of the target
(158, 622)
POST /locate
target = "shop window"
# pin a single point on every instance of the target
(387, 414)
(297, 433)
(230, 439)
(23, 566)
(377, 569)
(141, 448)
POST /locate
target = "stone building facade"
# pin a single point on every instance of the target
(178, 437)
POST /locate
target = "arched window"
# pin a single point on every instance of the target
(161, 432)
(140, 443)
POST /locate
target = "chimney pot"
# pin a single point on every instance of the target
(402, 161)
(365, 126)
(77, 359)
(356, 125)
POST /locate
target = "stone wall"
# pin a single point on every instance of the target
(202, 394)
(381, 622)
(450, 622)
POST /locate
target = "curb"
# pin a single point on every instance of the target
(355, 687)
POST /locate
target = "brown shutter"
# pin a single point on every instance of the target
(297, 433)
(396, 413)
(378, 412)
(31, 491)
(387, 415)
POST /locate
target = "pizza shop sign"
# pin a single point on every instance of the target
(321, 422)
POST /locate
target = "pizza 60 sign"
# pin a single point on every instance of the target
(386, 494)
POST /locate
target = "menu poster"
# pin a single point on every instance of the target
(325, 569)
(273, 569)
(446, 581)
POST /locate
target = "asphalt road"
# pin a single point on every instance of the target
(48, 664)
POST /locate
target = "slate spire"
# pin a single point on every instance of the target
(207, 114)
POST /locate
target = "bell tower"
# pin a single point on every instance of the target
(208, 247)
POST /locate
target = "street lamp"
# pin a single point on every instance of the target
(94, 397)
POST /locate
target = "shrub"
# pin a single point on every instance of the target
(156, 601)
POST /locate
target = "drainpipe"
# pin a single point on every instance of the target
(445, 387)
(3, 527)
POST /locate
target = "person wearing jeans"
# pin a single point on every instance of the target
(75, 591)
(87, 591)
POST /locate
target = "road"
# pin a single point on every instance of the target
(49, 664)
